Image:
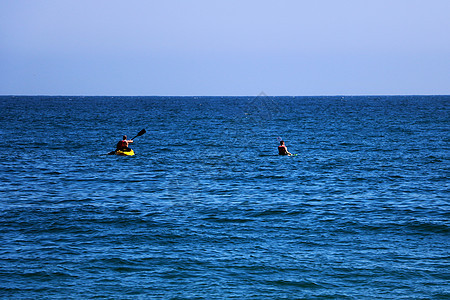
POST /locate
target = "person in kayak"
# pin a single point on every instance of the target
(282, 149)
(123, 144)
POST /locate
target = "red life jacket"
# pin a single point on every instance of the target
(282, 150)
(122, 144)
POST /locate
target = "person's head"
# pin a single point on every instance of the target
(282, 143)
(124, 137)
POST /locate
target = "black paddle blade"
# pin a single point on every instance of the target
(140, 133)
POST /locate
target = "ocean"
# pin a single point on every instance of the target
(206, 209)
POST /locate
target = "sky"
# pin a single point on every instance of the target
(224, 48)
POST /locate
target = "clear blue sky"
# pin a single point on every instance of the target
(229, 47)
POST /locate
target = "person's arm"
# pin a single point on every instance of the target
(129, 141)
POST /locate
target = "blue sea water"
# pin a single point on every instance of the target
(206, 209)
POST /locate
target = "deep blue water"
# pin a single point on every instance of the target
(207, 210)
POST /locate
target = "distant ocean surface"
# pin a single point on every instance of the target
(206, 209)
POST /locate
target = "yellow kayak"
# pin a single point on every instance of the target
(125, 152)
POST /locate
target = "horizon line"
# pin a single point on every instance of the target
(258, 95)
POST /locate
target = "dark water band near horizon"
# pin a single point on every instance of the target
(206, 209)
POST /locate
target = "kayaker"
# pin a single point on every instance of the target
(123, 144)
(282, 149)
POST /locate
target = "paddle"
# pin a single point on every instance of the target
(139, 134)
